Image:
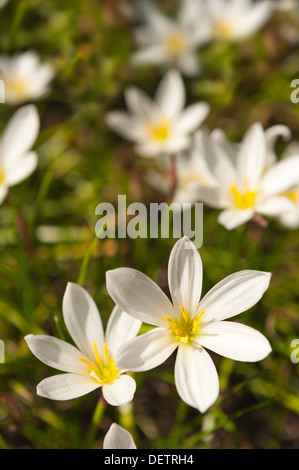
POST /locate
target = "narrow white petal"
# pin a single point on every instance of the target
(281, 177)
(233, 218)
(66, 386)
(234, 294)
(147, 351)
(275, 206)
(3, 193)
(192, 117)
(82, 319)
(56, 353)
(20, 133)
(20, 168)
(235, 341)
(120, 391)
(252, 156)
(185, 276)
(121, 327)
(170, 94)
(118, 438)
(123, 124)
(139, 103)
(139, 296)
(196, 377)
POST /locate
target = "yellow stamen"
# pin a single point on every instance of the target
(293, 195)
(96, 353)
(223, 29)
(1, 176)
(159, 131)
(16, 85)
(106, 352)
(185, 328)
(175, 43)
(102, 371)
(243, 200)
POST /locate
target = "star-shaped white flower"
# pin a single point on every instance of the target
(118, 438)
(92, 363)
(235, 20)
(189, 324)
(172, 42)
(17, 162)
(250, 181)
(25, 77)
(159, 126)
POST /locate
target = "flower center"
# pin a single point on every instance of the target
(1, 176)
(293, 195)
(186, 328)
(160, 131)
(16, 85)
(102, 371)
(175, 43)
(223, 28)
(243, 200)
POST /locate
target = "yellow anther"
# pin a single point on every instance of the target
(185, 314)
(88, 363)
(106, 352)
(96, 353)
(243, 200)
(159, 131)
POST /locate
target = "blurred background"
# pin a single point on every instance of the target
(47, 228)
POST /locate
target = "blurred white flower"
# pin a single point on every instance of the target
(290, 219)
(17, 162)
(25, 77)
(235, 20)
(91, 364)
(172, 42)
(159, 126)
(3, 2)
(118, 438)
(190, 171)
(189, 324)
(248, 183)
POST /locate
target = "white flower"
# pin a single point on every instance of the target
(25, 77)
(165, 41)
(17, 162)
(190, 171)
(161, 126)
(235, 20)
(91, 364)
(3, 2)
(290, 219)
(189, 324)
(248, 183)
(118, 438)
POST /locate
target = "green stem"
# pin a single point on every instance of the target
(96, 421)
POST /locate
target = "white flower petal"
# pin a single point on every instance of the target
(139, 296)
(233, 295)
(235, 341)
(192, 117)
(147, 351)
(233, 218)
(56, 353)
(122, 123)
(252, 156)
(196, 377)
(281, 177)
(83, 320)
(20, 133)
(20, 168)
(118, 438)
(120, 391)
(3, 193)
(66, 386)
(121, 327)
(185, 276)
(170, 94)
(275, 206)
